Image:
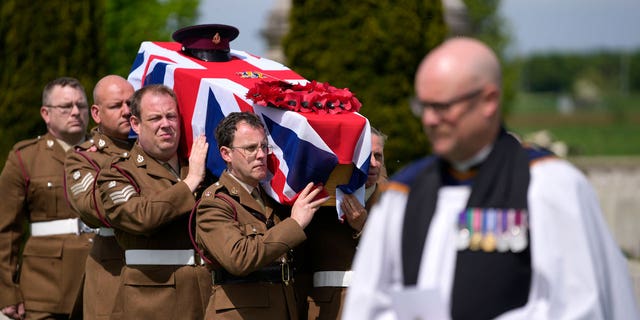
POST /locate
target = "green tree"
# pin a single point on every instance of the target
(372, 47)
(82, 39)
(487, 25)
(128, 23)
(38, 44)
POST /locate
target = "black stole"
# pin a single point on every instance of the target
(485, 284)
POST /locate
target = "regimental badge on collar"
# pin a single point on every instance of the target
(140, 158)
(50, 143)
(490, 230)
(101, 143)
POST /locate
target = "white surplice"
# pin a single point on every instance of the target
(578, 270)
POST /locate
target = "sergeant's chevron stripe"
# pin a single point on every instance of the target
(123, 195)
(83, 185)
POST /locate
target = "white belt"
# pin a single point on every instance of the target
(106, 232)
(62, 226)
(160, 257)
(332, 278)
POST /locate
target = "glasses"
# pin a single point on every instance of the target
(252, 150)
(418, 106)
(66, 108)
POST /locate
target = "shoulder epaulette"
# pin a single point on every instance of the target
(86, 145)
(214, 188)
(120, 157)
(25, 143)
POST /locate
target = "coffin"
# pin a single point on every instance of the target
(329, 149)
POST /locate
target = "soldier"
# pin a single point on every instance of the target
(31, 183)
(332, 244)
(245, 236)
(147, 197)
(111, 137)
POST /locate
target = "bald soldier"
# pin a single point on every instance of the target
(147, 196)
(31, 185)
(110, 137)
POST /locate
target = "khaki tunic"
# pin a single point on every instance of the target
(241, 243)
(149, 208)
(331, 247)
(106, 259)
(51, 266)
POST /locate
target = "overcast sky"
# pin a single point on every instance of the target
(537, 25)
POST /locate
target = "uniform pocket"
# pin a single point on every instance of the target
(41, 273)
(46, 198)
(149, 292)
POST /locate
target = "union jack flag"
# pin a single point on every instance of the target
(307, 146)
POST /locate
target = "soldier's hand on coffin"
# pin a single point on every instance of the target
(354, 212)
(306, 206)
(197, 162)
(14, 311)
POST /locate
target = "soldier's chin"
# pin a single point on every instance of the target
(76, 129)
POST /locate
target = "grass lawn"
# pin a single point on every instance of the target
(610, 128)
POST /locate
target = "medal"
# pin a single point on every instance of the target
(502, 241)
(474, 243)
(462, 242)
(518, 232)
(489, 240)
(476, 237)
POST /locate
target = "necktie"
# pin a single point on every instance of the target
(170, 168)
(256, 195)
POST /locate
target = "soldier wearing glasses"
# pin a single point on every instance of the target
(245, 236)
(31, 184)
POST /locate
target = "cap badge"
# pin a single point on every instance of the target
(76, 175)
(216, 38)
(49, 143)
(140, 158)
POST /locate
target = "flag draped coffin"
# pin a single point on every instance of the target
(307, 147)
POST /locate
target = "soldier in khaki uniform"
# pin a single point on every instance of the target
(31, 184)
(104, 263)
(245, 236)
(332, 244)
(147, 197)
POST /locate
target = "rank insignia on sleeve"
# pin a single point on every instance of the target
(83, 185)
(76, 175)
(123, 195)
(111, 184)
